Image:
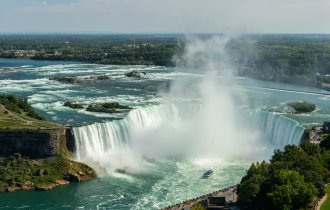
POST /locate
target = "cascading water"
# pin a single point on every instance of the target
(277, 129)
(201, 119)
(97, 142)
(94, 142)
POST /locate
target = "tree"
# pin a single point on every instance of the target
(251, 190)
(289, 191)
(293, 179)
(326, 143)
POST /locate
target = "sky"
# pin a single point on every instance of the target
(165, 16)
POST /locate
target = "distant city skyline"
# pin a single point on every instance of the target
(165, 16)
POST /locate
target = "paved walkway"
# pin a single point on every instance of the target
(229, 193)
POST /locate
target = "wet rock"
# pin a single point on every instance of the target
(81, 173)
(62, 182)
(133, 73)
(44, 188)
(122, 171)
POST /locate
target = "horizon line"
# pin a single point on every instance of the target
(146, 33)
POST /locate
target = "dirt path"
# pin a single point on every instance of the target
(319, 204)
(10, 113)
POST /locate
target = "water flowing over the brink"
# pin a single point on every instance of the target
(93, 141)
(99, 138)
(277, 129)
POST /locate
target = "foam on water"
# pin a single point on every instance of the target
(141, 140)
(97, 142)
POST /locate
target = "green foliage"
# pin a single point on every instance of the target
(17, 171)
(55, 170)
(14, 104)
(285, 58)
(104, 49)
(282, 58)
(289, 191)
(251, 191)
(326, 143)
(66, 79)
(73, 105)
(326, 204)
(293, 179)
(106, 107)
(302, 107)
(197, 206)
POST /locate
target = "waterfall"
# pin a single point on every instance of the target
(277, 129)
(96, 140)
(99, 138)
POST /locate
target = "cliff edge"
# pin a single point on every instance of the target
(35, 154)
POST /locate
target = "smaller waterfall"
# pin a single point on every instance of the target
(96, 139)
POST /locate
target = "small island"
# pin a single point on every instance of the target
(300, 107)
(73, 105)
(107, 107)
(79, 79)
(112, 107)
(35, 154)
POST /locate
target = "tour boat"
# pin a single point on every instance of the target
(208, 174)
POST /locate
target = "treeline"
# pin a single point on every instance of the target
(14, 104)
(294, 179)
(300, 59)
(103, 49)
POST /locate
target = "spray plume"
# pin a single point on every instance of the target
(198, 118)
(214, 126)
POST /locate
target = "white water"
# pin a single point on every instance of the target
(277, 129)
(124, 143)
(107, 146)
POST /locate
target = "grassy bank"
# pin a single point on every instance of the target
(326, 204)
(16, 114)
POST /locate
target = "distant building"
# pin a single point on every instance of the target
(326, 127)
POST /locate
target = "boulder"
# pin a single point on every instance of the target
(133, 73)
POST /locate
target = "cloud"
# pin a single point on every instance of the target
(187, 16)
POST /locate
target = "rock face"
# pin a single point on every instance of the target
(36, 144)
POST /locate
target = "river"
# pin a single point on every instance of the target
(182, 124)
